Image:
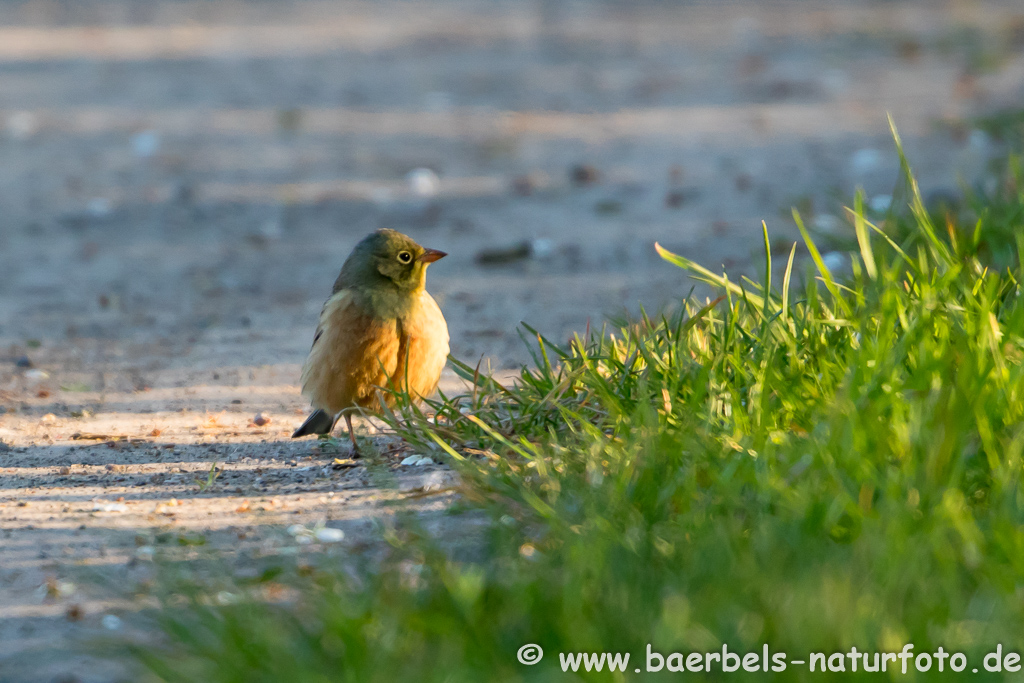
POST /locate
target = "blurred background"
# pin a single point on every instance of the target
(181, 180)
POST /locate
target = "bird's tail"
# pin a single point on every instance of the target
(319, 422)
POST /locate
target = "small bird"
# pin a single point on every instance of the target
(379, 329)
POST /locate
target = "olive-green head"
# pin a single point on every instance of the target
(387, 258)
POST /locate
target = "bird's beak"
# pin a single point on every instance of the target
(431, 255)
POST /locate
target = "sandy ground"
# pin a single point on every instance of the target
(89, 503)
(182, 180)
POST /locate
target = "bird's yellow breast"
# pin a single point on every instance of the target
(354, 353)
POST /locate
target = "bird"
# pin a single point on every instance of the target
(379, 329)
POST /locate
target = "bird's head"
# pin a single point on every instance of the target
(387, 257)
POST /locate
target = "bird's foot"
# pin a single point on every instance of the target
(354, 452)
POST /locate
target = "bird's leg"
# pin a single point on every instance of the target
(352, 436)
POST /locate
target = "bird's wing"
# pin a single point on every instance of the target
(352, 354)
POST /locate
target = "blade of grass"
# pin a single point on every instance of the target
(705, 275)
(826, 274)
(785, 282)
(863, 239)
(767, 268)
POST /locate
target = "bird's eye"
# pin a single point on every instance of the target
(405, 257)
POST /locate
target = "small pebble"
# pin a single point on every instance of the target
(880, 203)
(62, 589)
(542, 248)
(500, 255)
(21, 124)
(111, 622)
(866, 161)
(23, 362)
(834, 260)
(423, 182)
(523, 185)
(329, 535)
(270, 230)
(261, 420)
(99, 207)
(226, 598)
(584, 174)
(675, 198)
(145, 144)
(828, 224)
(303, 536)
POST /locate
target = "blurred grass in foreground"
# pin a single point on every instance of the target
(814, 466)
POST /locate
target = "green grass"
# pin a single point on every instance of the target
(985, 226)
(813, 464)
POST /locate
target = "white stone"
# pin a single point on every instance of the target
(329, 535)
(423, 182)
(866, 161)
(21, 124)
(542, 248)
(99, 206)
(145, 144)
(226, 598)
(880, 203)
(834, 260)
(828, 224)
